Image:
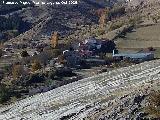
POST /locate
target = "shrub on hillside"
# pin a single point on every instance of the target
(17, 71)
(10, 34)
(7, 68)
(52, 74)
(132, 21)
(64, 72)
(117, 11)
(154, 104)
(35, 78)
(53, 52)
(24, 53)
(135, 20)
(56, 52)
(36, 65)
(84, 64)
(100, 32)
(116, 25)
(61, 59)
(1, 52)
(4, 93)
(154, 19)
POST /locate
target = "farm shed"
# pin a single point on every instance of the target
(135, 56)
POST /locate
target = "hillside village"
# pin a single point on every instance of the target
(40, 62)
(40, 59)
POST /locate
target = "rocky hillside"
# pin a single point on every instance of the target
(141, 2)
(117, 94)
(57, 18)
(34, 21)
(61, 18)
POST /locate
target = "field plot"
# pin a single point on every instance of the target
(143, 37)
(75, 97)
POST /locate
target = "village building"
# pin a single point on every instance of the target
(72, 57)
(96, 46)
(134, 56)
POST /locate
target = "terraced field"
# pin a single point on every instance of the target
(70, 100)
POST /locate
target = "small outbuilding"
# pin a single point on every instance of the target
(134, 56)
(72, 57)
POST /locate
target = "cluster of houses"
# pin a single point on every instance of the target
(89, 50)
(84, 50)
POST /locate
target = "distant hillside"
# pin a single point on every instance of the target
(6, 8)
(44, 19)
(135, 3)
(62, 18)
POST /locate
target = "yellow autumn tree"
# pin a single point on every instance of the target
(104, 13)
(54, 39)
(17, 71)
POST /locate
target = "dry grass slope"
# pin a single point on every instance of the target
(142, 38)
